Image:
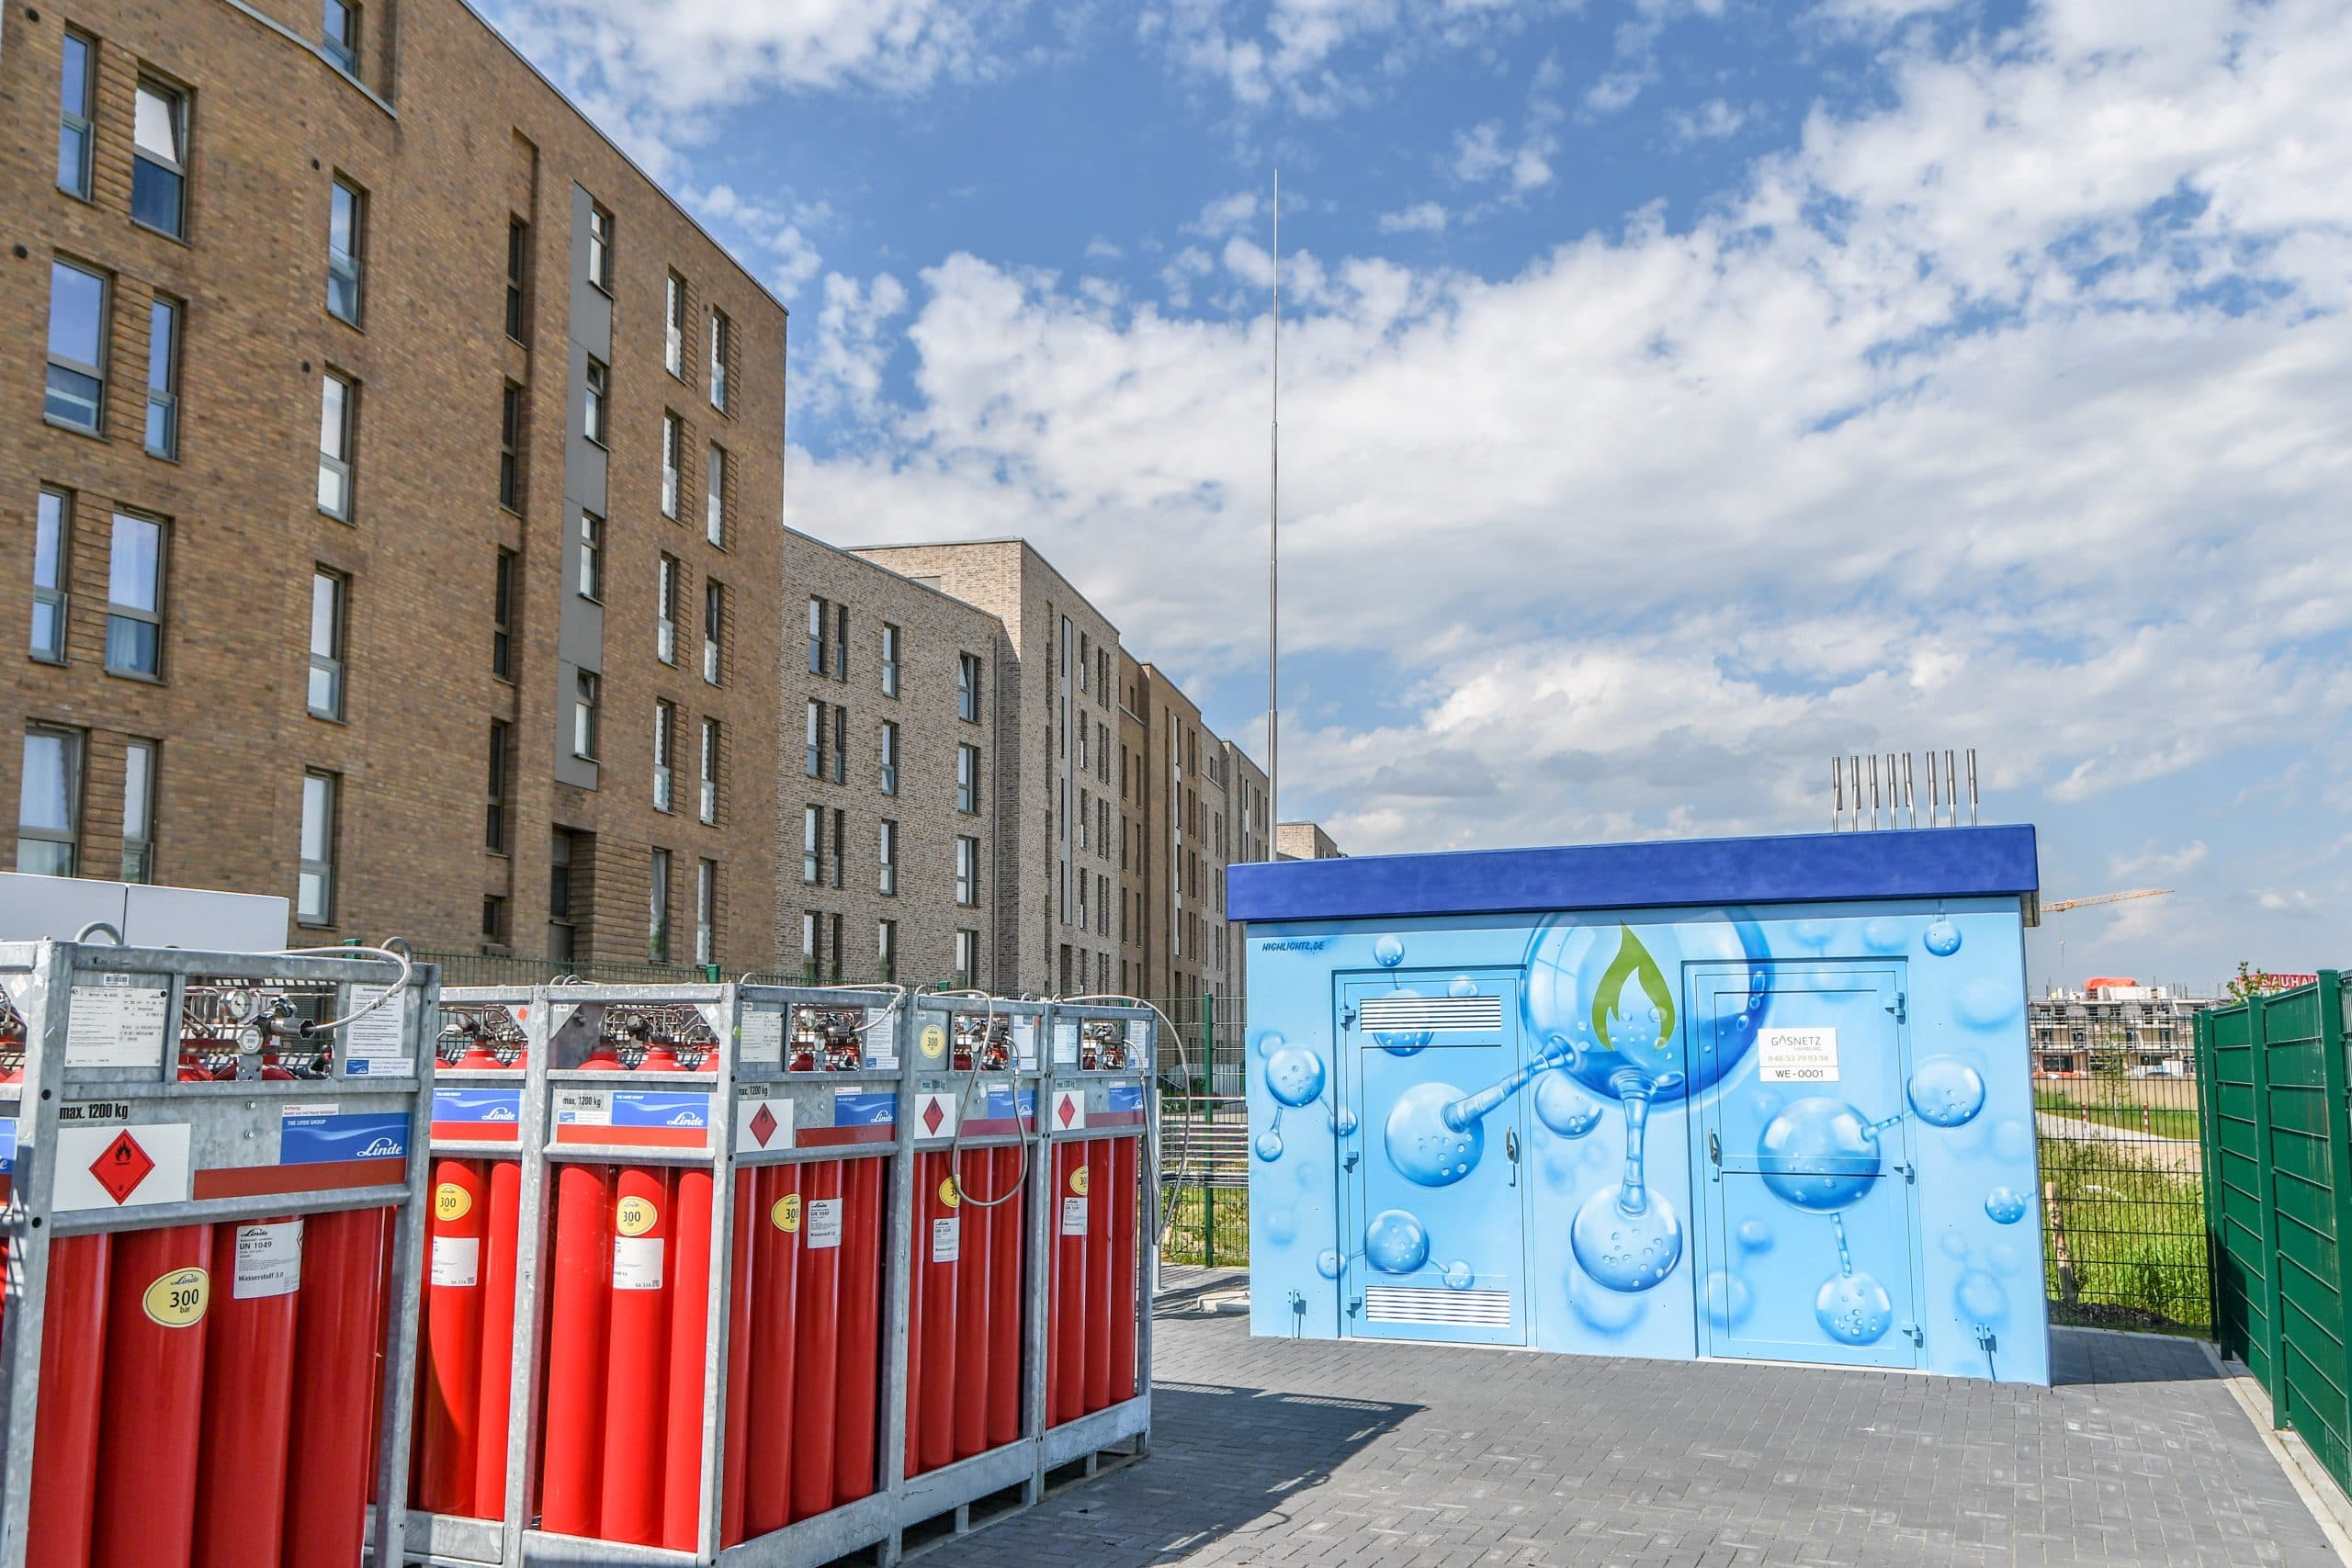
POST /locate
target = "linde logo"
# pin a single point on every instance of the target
(1296, 945)
(687, 1119)
(382, 1148)
(498, 1114)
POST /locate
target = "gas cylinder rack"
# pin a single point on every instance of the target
(973, 1312)
(1102, 1231)
(705, 1243)
(213, 1167)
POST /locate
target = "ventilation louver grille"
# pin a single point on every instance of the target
(1389, 1013)
(1460, 1309)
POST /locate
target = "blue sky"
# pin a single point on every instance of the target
(1677, 392)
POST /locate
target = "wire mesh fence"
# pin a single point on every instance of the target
(2124, 1242)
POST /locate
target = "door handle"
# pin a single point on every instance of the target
(1714, 1156)
(1510, 1152)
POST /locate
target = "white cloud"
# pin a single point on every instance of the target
(1711, 121)
(1421, 218)
(1101, 249)
(1320, 56)
(781, 232)
(2161, 863)
(1635, 539)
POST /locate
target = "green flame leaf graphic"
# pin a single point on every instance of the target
(1633, 961)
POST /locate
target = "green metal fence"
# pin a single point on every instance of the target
(2277, 1136)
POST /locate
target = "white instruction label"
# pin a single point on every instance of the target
(584, 1108)
(879, 1042)
(1065, 1045)
(116, 1024)
(457, 1261)
(269, 1260)
(821, 1223)
(637, 1262)
(1796, 1056)
(1138, 1041)
(1025, 1041)
(1073, 1216)
(762, 1035)
(375, 1045)
(946, 1241)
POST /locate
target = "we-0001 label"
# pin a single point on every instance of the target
(1796, 1056)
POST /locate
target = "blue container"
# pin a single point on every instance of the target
(1759, 1099)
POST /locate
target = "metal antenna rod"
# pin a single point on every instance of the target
(1932, 801)
(1910, 800)
(1873, 792)
(1837, 793)
(1972, 786)
(1274, 537)
(1952, 791)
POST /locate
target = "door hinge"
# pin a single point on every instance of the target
(1910, 1172)
(1900, 1008)
(1354, 1304)
(1918, 1339)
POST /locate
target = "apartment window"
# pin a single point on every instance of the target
(890, 659)
(600, 247)
(816, 741)
(841, 745)
(518, 261)
(886, 950)
(709, 804)
(49, 803)
(714, 625)
(76, 101)
(835, 966)
(657, 915)
(665, 731)
(722, 342)
(585, 691)
(338, 411)
(967, 778)
(493, 919)
(1083, 815)
(816, 636)
(705, 911)
(592, 557)
(967, 687)
(315, 887)
(887, 857)
(1082, 661)
(665, 611)
(968, 872)
(560, 930)
(135, 596)
(163, 377)
(52, 531)
(502, 617)
(890, 758)
(671, 435)
(599, 390)
(812, 828)
(714, 499)
(841, 642)
(1081, 744)
(159, 158)
(328, 591)
(494, 833)
(77, 353)
(340, 36)
(840, 844)
(968, 959)
(138, 811)
(344, 206)
(510, 449)
(673, 315)
(808, 922)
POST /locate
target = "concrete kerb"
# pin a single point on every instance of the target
(2312, 1483)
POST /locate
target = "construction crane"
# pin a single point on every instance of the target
(2062, 905)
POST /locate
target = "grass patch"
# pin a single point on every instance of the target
(1207, 1225)
(2135, 1238)
(2163, 1122)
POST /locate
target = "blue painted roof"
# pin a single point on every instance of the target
(1942, 863)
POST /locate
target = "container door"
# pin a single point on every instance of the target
(1434, 1223)
(1803, 1166)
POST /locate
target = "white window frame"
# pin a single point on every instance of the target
(344, 266)
(890, 659)
(665, 609)
(889, 757)
(73, 747)
(600, 246)
(674, 318)
(967, 873)
(79, 123)
(708, 801)
(95, 372)
(317, 871)
(328, 663)
(174, 165)
(124, 610)
(52, 535)
(705, 911)
(673, 449)
(139, 758)
(588, 579)
(665, 740)
(722, 342)
(886, 851)
(714, 505)
(595, 411)
(337, 431)
(587, 697)
(714, 629)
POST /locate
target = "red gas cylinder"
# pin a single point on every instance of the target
(975, 1301)
(735, 1441)
(689, 1290)
(448, 1413)
(661, 1058)
(939, 1235)
(1007, 1247)
(152, 1416)
(817, 1302)
(1066, 1354)
(339, 1333)
(478, 1056)
(72, 1372)
(1126, 1287)
(858, 1389)
(775, 1266)
(636, 1358)
(1101, 1189)
(248, 1394)
(502, 1239)
(579, 1300)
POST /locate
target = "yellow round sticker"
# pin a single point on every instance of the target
(786, 1213)
(451, 1201)
(636, 1216)
(950, 1194)
(935, 1041)
(178, 1299)
(1077, 1182)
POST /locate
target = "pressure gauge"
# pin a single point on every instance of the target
(249, 1040)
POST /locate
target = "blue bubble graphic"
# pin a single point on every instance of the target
(1395, 1242)
(1980, 1297)
(1328, 1263)
(1627, 1250)
(1813, 933)
(1818, 1155)
(1955, 1246)
(2012, 1139)
(1389, 952)
(1886, 934)
(1295, 1076)
(1755, 1236)
(1460, 1276)
(1269, 1146)
(1942, 938)
(2004, 1259)
(1280, 1225)
(1560, 1107)
(1343, 1121)
(1854, 1309)
(1269, 1042)
(1946, 1092)
(2006, 1204)
(1426, 1148)
(1988, 1002)
(1605, 1311)
(1402, 1042)
(1729, 1300)
(1599, 1002)
(1462, 986)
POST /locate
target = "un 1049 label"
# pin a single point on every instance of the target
(1073, 1216)
(1796, 1056)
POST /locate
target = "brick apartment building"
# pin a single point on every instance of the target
(390, 518)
